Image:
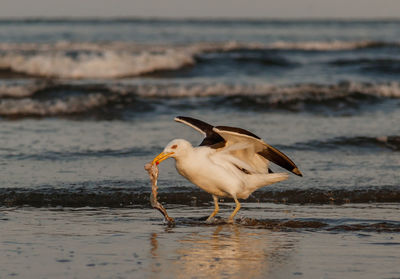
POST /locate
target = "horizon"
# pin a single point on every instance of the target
(195, 18)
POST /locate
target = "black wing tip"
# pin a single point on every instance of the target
(275, 156)
(296, 171)
(238, 130)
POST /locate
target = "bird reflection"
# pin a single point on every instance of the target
(154, 244)
(230, 251)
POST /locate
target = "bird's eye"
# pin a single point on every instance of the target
(174, 146)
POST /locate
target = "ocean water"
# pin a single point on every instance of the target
(84, 104)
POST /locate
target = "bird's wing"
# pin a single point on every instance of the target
(253, 145)
(211, 139)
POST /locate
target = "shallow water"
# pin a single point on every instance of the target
(279, 241)
(84, 104)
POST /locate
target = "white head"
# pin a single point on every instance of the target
(175, 149)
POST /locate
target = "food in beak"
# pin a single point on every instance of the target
(152, 169)
(161, 157)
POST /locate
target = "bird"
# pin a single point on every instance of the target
(229, 162)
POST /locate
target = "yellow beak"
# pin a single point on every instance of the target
(161, 157)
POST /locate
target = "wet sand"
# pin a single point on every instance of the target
(267, 241)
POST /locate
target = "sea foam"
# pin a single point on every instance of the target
(107, 64)
(120, 59)
(62, 99)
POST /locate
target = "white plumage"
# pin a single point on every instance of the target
(230, 162)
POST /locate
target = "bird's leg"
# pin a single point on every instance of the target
(216, 209)
(230, 220)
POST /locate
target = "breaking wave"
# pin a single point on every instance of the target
(63, 99)
(69, 105)
(107, 64)
(20, 89)
(119, 59)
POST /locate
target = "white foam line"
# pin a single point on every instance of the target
(120, 59)
(109, 64)
(268, 94)
(34, 107)
(279, 93)
(20, 89)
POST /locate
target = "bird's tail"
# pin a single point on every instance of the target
(257, 181)
(267, 179)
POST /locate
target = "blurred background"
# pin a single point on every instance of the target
(88, 93)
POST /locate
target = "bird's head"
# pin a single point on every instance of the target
(174, 149)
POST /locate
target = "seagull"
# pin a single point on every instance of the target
(229, 162)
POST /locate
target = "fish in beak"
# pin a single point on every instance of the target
(161, 157)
